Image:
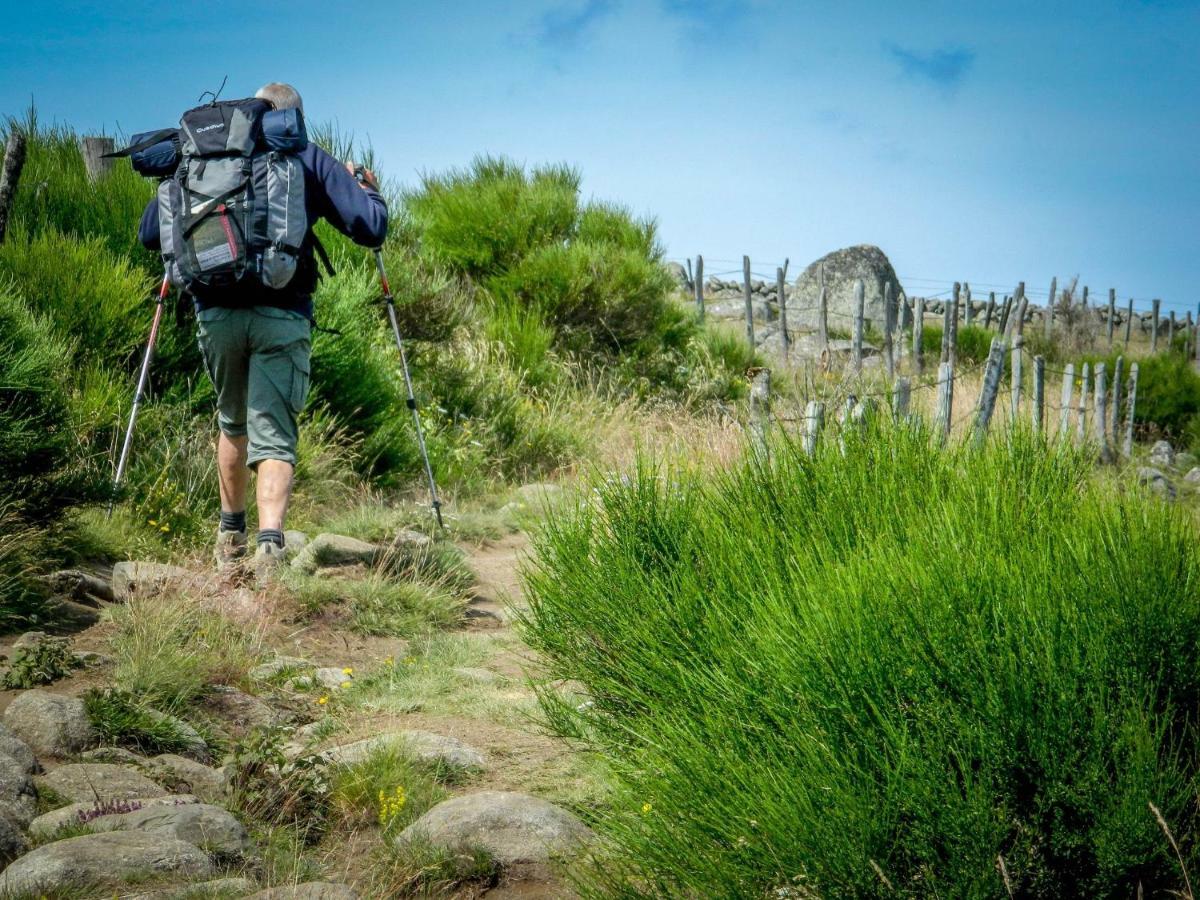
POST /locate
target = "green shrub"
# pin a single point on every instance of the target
(884, 662)
(122, 720)
(1168, 395)
(42, 663)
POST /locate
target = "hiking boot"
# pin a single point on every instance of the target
(229, 549)
(268, 559)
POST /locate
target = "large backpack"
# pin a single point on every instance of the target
(231, 200)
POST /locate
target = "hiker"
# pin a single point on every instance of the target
(255, 341)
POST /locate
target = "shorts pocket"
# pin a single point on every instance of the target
(300, 379)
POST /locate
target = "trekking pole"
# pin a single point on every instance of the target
(412, 399)
(140, 393)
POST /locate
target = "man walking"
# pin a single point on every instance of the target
(255, 341)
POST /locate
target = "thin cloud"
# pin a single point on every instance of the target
(566, 26)
(945, 69)
(710, 19)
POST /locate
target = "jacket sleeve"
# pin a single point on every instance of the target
(148, 229)
(358, 213)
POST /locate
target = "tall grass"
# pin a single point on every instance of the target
(880, 671)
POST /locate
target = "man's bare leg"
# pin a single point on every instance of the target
(232, 472)
(274, 490)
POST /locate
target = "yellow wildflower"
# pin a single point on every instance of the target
(389, 661)
(391, 805)
(348, 671)
(345, 684)
(165, 527)
(322, 700)
(151, 521)
(646, 807)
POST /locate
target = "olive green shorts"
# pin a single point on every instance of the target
(258, 360)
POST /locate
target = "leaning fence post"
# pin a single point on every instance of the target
(760, 407)
(889, 359)
(1101, 413)
(968, 312)
(1085, 388)
(1064, 410)
(1021, 307)
(953, 343)
(991, 309)
(10, 175)
(1171, 332)
(1128, 322)
(1048, 322)
(901, 399)
(944, 354)
(945, 401)
(918, 333)
(700, 287)
(749, 302)
(1112, 314)
(1018, 346)
(1130, 408)
(1006, 318)
(857, 346)
(1039, 394)
(781, 292)
(1115, 406)
(822, 312)
(991, 388)
(1154, 306)
(814, 418)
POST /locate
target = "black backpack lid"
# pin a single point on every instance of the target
(223, 127)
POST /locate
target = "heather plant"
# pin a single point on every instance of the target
(882, 669)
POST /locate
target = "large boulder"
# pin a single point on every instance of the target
(327, 550)
(189, 776)
(52, 725)
(12, 840)
(18, 798)
(44, 826)
(81, 782)
(16, 749)
(842, 268)
(210, 828)
(143, 579)
(53, 870)
(422, 745)
(514, 828)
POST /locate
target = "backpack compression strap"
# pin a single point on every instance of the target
(157, 137)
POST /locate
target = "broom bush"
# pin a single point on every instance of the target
(883, 671)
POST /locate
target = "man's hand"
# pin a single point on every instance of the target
(365, 176)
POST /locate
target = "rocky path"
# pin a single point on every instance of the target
(80, 819)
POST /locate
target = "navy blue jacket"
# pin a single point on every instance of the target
(330, 193)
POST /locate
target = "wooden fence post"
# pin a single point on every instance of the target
(901, 399)
(889, 359)
(903, 320)
(746, 294)
(760, 407)
(781, 292)
(991, 310)
(822, 313)
(1128, 322)
(1115, 416)
(1006, 318)
(991, 388)
(691, 282)
(1039, 394)
(814, 419)
(1018, 347)
(945, 401)
(700, 287)
(10, 175)
(918, 333)
(1101, 413)
(1154, 307)
(953, 360)
(1064, 410)
(1048, 322)
(857, 346)
(968, 311)
(1112, 314)
(1085, 388)
(92, 149)
(1197, 341)
(1171, 332)
(1130, 408)
(1021, 308)
(944, 356)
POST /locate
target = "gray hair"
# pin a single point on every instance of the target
(281, 96)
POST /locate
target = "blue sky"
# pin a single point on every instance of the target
(987, 142)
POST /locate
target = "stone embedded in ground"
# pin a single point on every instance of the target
(112, 755)
(188, 776)
(47, 824)
(18, 797)
(16, 749)
(269, 670)
(294, 541)
(1161, 454)
(332, 677)
(479, 676)
(82, 782)
(1193, 475)
(51, 724)
(310, 890)
(193, 744)
(423, 745)
(240, 710)
(514, 828)
(109, 858)
(334, 550)
(209, 827)
(12, 841)
(1155, 481)
(1184, 461)
(30, 640)
(413, 540)
(147, 578)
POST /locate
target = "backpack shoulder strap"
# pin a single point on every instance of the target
(323, 254)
